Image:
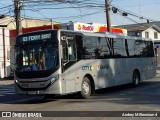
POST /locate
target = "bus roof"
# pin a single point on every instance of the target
(114, 35)
(96, 34)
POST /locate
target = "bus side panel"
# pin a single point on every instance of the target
(149, 67)
(69, 78)
(120, 65)
(73, 76)
(132, 64)
(145, 66)
(106, 72)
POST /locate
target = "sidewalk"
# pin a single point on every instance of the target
(6, 82)
(158, 75)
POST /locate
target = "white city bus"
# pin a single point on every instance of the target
(62, 62)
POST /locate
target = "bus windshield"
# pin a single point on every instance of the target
(35, 56)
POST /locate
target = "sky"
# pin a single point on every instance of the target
(91, 11)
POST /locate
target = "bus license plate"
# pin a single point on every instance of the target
(32, 93)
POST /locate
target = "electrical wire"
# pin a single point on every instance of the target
(85, 8)
(133, 14)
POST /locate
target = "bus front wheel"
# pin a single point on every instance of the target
(85, 88)
(136, 78)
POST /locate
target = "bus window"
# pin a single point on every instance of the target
(148, 50)
(138, 47)
(69, 51)
(88, 48)
(118, 48)
(80, 48)
(103, 49)
(130, 44)
(96, 48)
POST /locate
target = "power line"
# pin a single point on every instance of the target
(77, 4)
(89, 7)
(126, 13)
(68, 17)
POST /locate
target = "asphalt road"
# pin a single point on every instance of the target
(145, 97)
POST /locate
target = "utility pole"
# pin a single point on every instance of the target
(107, 6)
(52, 24)
(17, 11)
(4, 51)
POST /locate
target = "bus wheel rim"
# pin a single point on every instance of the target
(85, 87)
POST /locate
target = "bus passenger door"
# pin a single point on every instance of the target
(68, 59)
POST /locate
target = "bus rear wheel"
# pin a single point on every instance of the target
(136, 78)
(85, 88)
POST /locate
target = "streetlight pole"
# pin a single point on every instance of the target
(18, 17)
(107, 6)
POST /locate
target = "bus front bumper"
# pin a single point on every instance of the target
(31, 88)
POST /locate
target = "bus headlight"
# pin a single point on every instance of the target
(16, 81)
(54, 79)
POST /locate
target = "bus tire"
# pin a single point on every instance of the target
(136, 78)
(85, 88)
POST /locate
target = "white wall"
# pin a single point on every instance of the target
(7, 50)
(151, 34)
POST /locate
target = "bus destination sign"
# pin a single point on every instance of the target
(36, 37)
